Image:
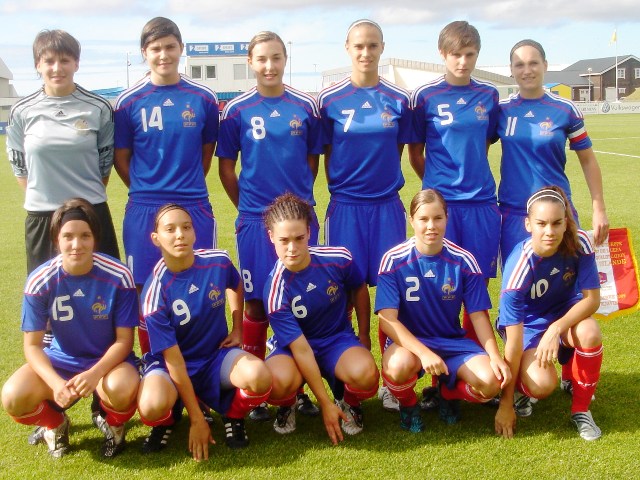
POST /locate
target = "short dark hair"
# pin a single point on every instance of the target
(85, 211)
(156, 28)
(58, 42)
(527, 42)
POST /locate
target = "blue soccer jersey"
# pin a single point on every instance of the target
(187, 309)
(274, 136)
(429, 290)
(533, 134)
(534, 287)
(84, 310)
(364, 127)
(312, 302)
(165, 127)
(456, 123)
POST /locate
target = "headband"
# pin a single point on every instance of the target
(364, 21)
(75, 213)
(546, 193)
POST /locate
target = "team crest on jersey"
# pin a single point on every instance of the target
(188, 115)
(333, 291)
(481, 112)
(99, 308)
(296, 126)
(449, 290)
(81, 126)
(387, 118)
(546, 128)
(216, 296)
(569, 275)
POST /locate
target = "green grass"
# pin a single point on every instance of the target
(546, 444)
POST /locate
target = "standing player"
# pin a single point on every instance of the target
(166, 127)
(367, 122)
(92, 304)
(550, 290)
(60, 145)
(422, 285)
(455, 117)
(306, 297)
(277, 132)
(193, 355)
(533, 127)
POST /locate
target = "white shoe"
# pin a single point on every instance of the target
(587, 427)
(113, 436)
(354, 424)
(57, 439)
(285, 420)
(389, 401)
(522, 405)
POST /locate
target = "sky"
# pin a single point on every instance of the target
(109, 31)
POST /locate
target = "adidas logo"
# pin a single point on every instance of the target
(554, 271)
(59, 113)
(78, 293)
(167, 103)
(366, 105)
(274, 114)
(310, 287)
(529, 115)
(193, 288)
(430, 274)
(461, 101)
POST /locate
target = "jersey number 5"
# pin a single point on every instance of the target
(60, 311)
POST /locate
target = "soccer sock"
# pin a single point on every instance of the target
(143, 336)
(462, 391)
(353, 396)
(165, 421)
(117, 418)
(43, 416)
(244, 401)
(404, 392)
(567, 368)
(254, 335)
(434, 380)
(585, 373)
(283, 402)
(467, 324)
(522, 389)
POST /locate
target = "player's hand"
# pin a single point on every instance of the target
(505, 421)
(234, 339)
(199, 439)
(547, 351)
(84, 383)
(64, 395)
(600, 224)
(365, 340)
(501, 370)
(331, 415)
(433, 364)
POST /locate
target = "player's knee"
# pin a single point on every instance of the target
(541, 389)
(10, 400)
(588, 333)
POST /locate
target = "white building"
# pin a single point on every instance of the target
(8, 95)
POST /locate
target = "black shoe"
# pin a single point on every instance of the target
(235, 434)
(260, 413)
(157, 439)
(429, 398)
(113, 436)
(306, 406)
(448, 410)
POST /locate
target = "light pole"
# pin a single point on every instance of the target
(290, 61)
(128, 65)
(589, 70)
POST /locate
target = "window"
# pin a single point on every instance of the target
(239, 71)
(196, 71)
(622, 91)
(211, 71)
(621, 73)
(637, 72)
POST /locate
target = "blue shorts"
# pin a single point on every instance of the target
(138, 224)
(476, 228)
(368, 229)
(256, 253)
(327, 352)
(68, 370)
(207, 381)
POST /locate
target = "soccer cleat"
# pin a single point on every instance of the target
(57, 439)
(522, 405)
(587, 428)
(411, 420)
(448, 410)
(235, 433)
(113, 436)
(285, 420)
(429, 398)
(306, 406)
(567, 386)
(354, 423)
(389, 401)
(260, 413)
(37, 436)
(157, 440)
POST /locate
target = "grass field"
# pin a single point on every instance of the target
(546, 445)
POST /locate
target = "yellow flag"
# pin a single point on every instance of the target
(614, 37)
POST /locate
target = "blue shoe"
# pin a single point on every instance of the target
(411, 420)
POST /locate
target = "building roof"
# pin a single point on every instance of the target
(4, 71)
(568, 77)
(598, 66)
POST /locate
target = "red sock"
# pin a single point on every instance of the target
(43, 416)
(462, 391)
(165, 421)
(254, 335)
(405, 393)
(522, 389)
(117, 418)
(382, 340)
(434, 380)
(467, 324)
(354, 397)
(143, 336)
(283, 402)
(585, 376)
(244, 401)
